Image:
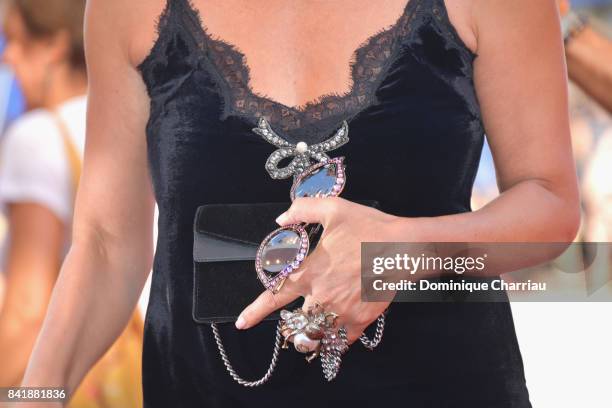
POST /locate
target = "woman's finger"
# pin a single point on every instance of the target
(266, 303)
(310, 301)
(311, 210)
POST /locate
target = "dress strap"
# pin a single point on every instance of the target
(440, 14)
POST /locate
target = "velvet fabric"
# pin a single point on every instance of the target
(224, 258)
(415, 141)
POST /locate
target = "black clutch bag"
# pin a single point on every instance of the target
(225, 242)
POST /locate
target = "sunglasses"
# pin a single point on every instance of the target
(284, 249)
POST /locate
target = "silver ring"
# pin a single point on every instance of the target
(308, 329)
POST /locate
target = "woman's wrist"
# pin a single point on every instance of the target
(35, 377)
(413, 229)
(46, 369)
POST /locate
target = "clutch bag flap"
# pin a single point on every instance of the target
(225, 242)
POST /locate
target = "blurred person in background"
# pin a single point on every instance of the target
(11, 106)
(40, 163)
(588, 54)
(589, 63)
(597, 191)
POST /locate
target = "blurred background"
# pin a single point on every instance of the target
(567, 347)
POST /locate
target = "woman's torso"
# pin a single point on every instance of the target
(416, 135)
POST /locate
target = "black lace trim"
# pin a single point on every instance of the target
(368, 64)
(318, 118)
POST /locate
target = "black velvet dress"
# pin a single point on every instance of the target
(414, 117)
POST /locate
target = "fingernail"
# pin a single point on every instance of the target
(282, 218)
(241, 322)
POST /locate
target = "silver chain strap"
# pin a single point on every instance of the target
(332, 358)
(230, 369)
(380, 327)
(330, 368)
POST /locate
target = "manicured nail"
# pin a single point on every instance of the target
(282, 218)
(241, 322)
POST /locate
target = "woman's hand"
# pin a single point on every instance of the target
(330, 275)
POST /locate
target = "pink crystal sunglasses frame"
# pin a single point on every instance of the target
(274, 283)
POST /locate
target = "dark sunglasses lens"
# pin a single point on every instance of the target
(323, 182)
(280, 251)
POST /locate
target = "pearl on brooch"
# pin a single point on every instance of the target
(304, 154)
(301, 147)
(305, 344)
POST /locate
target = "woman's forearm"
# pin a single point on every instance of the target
(589, 64)
(529, 212)
(94, 297)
